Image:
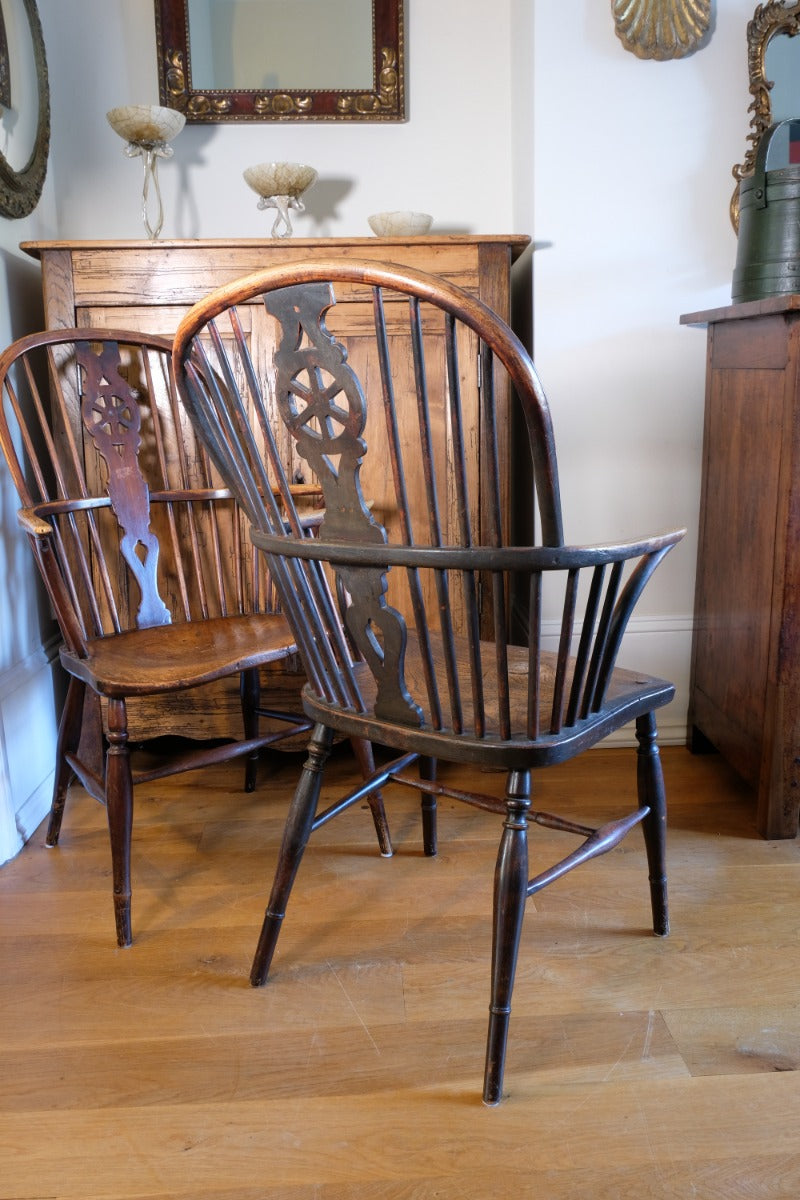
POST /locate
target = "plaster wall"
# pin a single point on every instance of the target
(27, 642)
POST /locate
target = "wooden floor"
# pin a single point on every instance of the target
(638, 1067)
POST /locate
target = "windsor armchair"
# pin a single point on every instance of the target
(422, 623)
(129, 530)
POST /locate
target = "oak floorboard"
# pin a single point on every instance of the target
(638, 1067)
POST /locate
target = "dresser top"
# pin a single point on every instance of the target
(767, 307)
(517, 242)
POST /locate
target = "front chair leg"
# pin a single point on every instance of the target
(427, 770)
(250, 696)
(510, 895)
(295, 837)
(650, 781)
(119, 811)
(69, 734)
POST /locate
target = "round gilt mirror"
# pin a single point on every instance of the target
(24, 109)
(777, 20)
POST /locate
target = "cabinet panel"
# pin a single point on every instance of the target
(745, 687)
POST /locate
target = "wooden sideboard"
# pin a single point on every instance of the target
(149, 286)
(745, 683)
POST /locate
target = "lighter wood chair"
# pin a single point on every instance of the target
(140, 553)
(424, 623)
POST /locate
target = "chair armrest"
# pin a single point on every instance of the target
(32, 523)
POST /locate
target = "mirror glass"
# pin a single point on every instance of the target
(228, 60)
(229, 50)
(782, 69)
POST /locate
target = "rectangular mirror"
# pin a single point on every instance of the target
(281, 60)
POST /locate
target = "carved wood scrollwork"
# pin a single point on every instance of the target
(322, 404)
(111, 416)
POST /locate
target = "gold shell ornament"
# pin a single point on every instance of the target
(661, 29)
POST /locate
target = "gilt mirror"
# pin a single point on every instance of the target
(24, 110)
(281, 60)
(773, 60)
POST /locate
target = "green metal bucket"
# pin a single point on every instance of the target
(768, 254)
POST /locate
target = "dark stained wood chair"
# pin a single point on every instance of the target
(139, 549)
(424, 623)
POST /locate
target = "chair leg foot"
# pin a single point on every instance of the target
(119, 811)
(496, 1042)
(69, 732)
(251, 772)
(122, 919)
(250, 696)
(510, 895)
(295, 838)
(366, 762)
(650, 781)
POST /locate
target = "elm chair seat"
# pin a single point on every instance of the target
(429, 617)
(144, 662)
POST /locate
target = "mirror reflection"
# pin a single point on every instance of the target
(229, 49)
(782, 68)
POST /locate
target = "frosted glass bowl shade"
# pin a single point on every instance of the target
(146, 124)
(400, 224)
(279, 178)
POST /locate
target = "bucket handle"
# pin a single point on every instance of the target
(760, 169)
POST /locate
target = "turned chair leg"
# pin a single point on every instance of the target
(366, 762)
(69, 734)
(119, 809)
(427, 770)
(295, 838)
(250, 696)
(510, 895)
(650, 781)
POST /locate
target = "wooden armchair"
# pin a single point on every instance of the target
(423, 622)
(141, 554)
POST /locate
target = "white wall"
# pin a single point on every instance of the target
(451, 158)
(27, 643)
(525, 116)
(631, 180)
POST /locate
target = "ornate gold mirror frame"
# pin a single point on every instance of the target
(769, 20)
(384, 101)
(20, 190)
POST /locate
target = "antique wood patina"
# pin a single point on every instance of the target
(745, 685)
(403, 604)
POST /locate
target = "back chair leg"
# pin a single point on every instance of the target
(427, 770)
(650, 781)
(69, 734)
(250, 694)
(366, 761)
(295, 838)
(119, 809)
(510, 895)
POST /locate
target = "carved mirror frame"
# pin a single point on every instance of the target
(385, 101)
(769, 20)
(20, 190)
